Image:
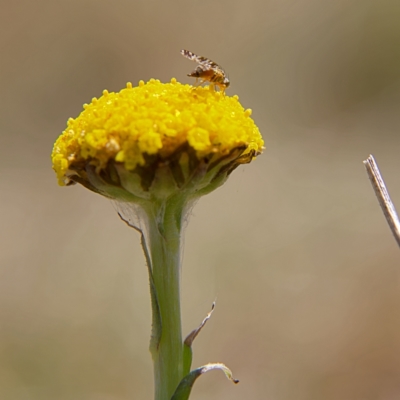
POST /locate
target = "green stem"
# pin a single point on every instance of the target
(164, 245)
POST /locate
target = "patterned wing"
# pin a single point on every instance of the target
(209, 64)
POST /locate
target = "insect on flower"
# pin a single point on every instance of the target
(207, 71)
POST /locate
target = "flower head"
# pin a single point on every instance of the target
(156, 139)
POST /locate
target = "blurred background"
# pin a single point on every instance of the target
(294, 247)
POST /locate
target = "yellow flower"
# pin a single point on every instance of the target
(155, 149)
(139, 131)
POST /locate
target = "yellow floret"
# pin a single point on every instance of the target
(154, 118)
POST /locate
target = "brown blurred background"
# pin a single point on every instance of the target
(294, 247)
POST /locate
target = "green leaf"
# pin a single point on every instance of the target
(185, 386)
(187, 344)
(187, 358)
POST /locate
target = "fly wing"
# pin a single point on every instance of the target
(209, 64)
